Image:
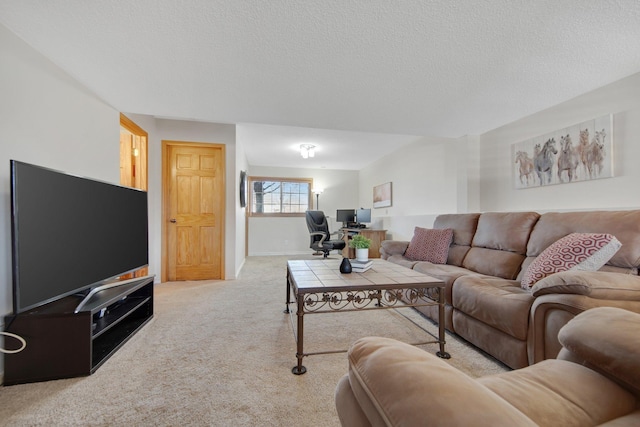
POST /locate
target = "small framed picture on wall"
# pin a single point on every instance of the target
(382, 195)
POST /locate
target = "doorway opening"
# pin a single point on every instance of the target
(133, 164)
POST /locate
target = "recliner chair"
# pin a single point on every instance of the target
(320, 237)
(595, 380)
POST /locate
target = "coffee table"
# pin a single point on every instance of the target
(318, 287)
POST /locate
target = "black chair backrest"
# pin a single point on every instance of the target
(316, 221)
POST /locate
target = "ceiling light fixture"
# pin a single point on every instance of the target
(307, 150)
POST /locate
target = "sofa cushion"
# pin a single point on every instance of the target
(389, 248)
(397, 384)
(402, 260)
(503, 264)
(581, 398)
(577, 251)
(445, 272)
(463, 225)
(625, 225)
(595, 284)
(464, 228)
(505, 231)
(496, 302)
(430, 245)
(500, 243)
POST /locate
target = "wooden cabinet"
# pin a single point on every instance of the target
(376, 236)
(62, 343)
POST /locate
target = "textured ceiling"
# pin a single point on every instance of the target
(440, 68)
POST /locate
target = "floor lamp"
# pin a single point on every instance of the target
(317, 192)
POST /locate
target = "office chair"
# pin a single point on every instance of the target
(320, 237)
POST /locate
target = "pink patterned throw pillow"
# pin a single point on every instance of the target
(430, 245)
(577, 251)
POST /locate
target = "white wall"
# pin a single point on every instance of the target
(621, 98)
(240, 212)
(276, 236)
(473, 173)
(48, 119)
(428, 177)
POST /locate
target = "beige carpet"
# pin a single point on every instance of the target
(220, 354)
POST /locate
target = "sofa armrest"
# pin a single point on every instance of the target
(349, 411)
(392, 247)
(398, 384)
(550, 312)
(595, 284)
(605, 339)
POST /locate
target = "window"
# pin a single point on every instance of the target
(279, 196)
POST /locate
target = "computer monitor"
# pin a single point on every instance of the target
(363, 215)
(346, 216)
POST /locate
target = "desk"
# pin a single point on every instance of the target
(376, 236)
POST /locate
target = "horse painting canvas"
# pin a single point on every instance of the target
(581, 152)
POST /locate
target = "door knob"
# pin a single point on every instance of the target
(173, 220)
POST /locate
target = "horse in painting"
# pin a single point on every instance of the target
(583, 148)
(526, 167)
(568, 159)
(544, 160)
(596, 154)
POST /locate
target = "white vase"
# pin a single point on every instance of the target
(362, 254)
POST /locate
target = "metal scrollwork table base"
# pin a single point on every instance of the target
(318, 287)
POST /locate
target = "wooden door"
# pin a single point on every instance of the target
(194, 210)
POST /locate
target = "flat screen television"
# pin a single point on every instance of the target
(70, 234)
(346, 215)
(363, 215)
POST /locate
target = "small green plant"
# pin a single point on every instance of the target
(359, 242)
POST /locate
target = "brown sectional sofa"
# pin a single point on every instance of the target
(490, 252)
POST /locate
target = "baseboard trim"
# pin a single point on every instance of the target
(281, 253)
(2, 357)
(240, 267)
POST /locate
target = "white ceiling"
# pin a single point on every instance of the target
(443, 68)
(280, 146)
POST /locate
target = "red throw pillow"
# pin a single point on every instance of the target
(577, 251)
(430, 245)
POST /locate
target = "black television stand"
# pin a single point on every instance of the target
(63, 343)
(99, 289)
